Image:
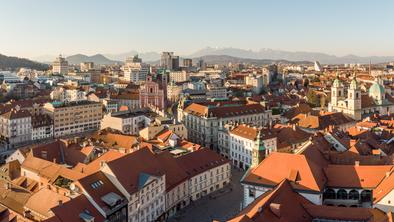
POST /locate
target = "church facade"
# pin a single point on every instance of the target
(357, 104)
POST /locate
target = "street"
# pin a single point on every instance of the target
(220, 205)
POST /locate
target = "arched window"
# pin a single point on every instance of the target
(329, 194)
(366, 196)
(354, 195)
(357, 95)
(341, 194)
(151, 90)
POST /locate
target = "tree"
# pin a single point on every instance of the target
(312, 98)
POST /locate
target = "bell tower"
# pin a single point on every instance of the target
(337, 91)
(258, 152)
(354, 98)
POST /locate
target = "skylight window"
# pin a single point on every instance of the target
(96, 184)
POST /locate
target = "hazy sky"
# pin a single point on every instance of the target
(31, 28)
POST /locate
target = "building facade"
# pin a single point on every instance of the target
(352, 102)
(74, 117)
(60, 66)
(204, 122)
(126, 122)
(152, 94)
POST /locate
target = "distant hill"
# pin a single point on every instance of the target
(261, 54)
(13, 63)
(225, 59)
(97, 59)
(145, 56)
(290, 56)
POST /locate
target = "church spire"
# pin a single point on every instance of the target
(258, 152)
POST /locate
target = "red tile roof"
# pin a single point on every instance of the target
(142, 160)
(200, 161)
(347, 176)
(279, 205)
(96, 192)
(279, 166)
(250, 132)
(70, 211)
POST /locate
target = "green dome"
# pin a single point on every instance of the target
(336, 83)
(353, 84)
(376, 90)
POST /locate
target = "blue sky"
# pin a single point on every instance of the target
(33, 28)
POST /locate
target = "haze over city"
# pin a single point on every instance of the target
(34, 29)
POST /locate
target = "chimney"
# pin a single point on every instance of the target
(275, 208)
(54, 160)
(357, 163)
(60, 202)
(102, 163)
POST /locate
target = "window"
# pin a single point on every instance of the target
(252, 192)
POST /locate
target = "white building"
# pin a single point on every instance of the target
(356, 104)
(42, 127)
(179, 76)
(174, 92)
(207, 173)
(68, 94)
(242, 144)
(214, 91)
(15, 127)
(125, 121)
(256, 81)
(60, 66)
(203, 122)
(135, 70)
(144, 187)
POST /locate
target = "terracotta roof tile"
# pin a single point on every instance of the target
(347, 176)
(201, 160)
(311, 175)
(70, 211)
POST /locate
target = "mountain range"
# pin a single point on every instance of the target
(97, 59)
(262, 54)
(291, 56)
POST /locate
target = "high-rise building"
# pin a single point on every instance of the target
(135, 70)
(60, 66)
(166, 59)
(201, 64)
(187, 62)
(169, 61)
(175, 63)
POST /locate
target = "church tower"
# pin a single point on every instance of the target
(337, 91)
(354, 98)
(259, 151)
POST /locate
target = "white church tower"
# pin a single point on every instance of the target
(337, 92)
(354, 99)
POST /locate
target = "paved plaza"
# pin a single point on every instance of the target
(220, 205)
